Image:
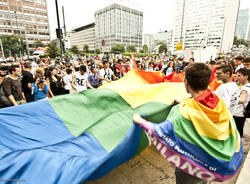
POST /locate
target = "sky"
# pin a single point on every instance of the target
(158, 14)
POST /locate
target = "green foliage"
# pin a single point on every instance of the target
(160, 43)
(53, 49)
(13, 44)
(85, 49)
(117, 49)
(163, 47)
(145, 48)
(131, 48)
(239, 41)
(39, 43)
(74, 49)
(97, 51)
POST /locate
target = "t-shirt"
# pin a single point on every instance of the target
(27, 77)
(13, 87)
(106, 74)
(169, 71)
(239, 67)
(240, 108)
(81, 81)
(67, 79)
(40, 94)
(94, 79)
(230, 93)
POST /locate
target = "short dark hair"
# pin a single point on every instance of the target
(83, 68)
(244, 72)
(240, 58)
(27, 65)
(68, 71)
(246, 60)
(225, 69)
(192, 59)
(198, 76)
(105, 61)
(13, 68)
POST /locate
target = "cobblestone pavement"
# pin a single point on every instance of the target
(151, 168)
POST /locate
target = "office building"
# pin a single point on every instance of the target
(149, 40)
(84, 35)
(118, 24)
(242, 24)
(206, 23)
(26, 18)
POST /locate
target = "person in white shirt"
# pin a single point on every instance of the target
(228, 91)
(239, 63)
(80, 80)
(67, 80)
(243, 76)
(106, 74)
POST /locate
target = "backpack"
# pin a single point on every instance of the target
(4, 100)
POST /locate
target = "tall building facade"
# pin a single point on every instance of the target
(165, 37)
(117, 24)
(248, 36)
(84, 35)
(26, 18)
(149, 40)
(242, 24)
(199, 24)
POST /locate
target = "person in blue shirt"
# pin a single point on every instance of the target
(40, 88)
(94, 77)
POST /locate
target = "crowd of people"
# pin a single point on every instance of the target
(24, 81)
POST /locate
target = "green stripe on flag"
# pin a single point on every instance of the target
(184, 129)
(105, 115)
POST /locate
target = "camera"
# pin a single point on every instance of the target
(41, 79)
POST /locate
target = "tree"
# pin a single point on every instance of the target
(163, 47)
(117, 49)
(131, 48)
(85, 49)
(145, 48)
(53, 49)
(74, 49)
(39, 43)
(239, 41)
(12, 44)
(97, 51)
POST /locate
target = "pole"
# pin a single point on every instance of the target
(19, 33)
(1, 43)
(65, 33)
(59, 29)
(224, 19)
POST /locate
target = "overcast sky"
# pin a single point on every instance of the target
(158, 14)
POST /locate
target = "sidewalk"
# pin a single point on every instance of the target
(151, 168)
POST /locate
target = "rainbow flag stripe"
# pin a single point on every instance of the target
(83, 136)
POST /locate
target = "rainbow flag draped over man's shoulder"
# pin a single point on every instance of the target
(83, 136)
(200, 138)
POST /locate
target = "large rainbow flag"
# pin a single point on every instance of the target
(83, 136)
